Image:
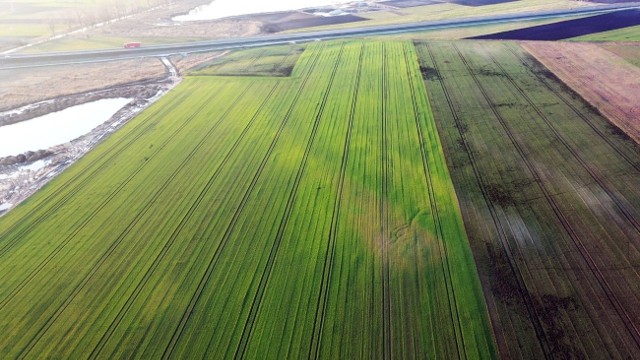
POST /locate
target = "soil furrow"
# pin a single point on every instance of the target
(195, 206)
(498, 225)
(118, 240)
(446, 266)
(319, 320)
(42, 212)
(266, 274)
(239, 210)
(582, 249)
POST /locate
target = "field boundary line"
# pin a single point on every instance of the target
(446, 266)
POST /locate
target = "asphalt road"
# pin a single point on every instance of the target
(14, 61)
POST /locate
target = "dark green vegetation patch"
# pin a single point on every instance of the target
(264, 61)
(550, 195)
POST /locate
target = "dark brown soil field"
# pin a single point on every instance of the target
(550, 195)
(571, 28)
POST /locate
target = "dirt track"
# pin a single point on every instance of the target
(601, 77)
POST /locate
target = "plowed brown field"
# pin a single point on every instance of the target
(603, 78)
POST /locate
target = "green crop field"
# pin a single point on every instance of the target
(550, 195)
(263, 61)
(309, 216)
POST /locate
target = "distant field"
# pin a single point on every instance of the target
(265, 61)
(447, 10)
(571, 28)
(626, 34)
(24, 21)
(251, 217)
(550, 195)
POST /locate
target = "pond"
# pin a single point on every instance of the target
(58, 127)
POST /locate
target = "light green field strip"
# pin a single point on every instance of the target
(100, 42)
(250, 217)
(631, 33)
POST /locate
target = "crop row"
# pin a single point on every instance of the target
(311, 216)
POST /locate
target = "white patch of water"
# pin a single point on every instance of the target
(37, 165)
(57, 128)
(224, 8)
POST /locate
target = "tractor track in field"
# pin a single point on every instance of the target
(186, 316)
(277, 68)
(582, 116)
(446, 266)
(529, 303)
(384, 215)
(38, 216)
(582, 249)
(79, 228)
(266, 274)
(127, 230)
(194, 206)
(323, 296)
(256, 58)
(598, 179)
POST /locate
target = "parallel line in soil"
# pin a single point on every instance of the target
(323, 296)
(82, 223)
(42, 212)
(266, 274)
(204, 280)
(598, 179)
(582, 116)
(189, 214)
(384, 216)
(119, 239)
